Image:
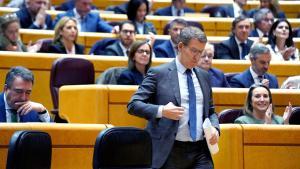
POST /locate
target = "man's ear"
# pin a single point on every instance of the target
(5, 87)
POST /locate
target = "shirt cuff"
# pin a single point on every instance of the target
(39, 26)
(159, 112)
(45, 117)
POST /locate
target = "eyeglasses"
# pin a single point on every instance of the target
(142, 51)
(21, 91)
(130, 32)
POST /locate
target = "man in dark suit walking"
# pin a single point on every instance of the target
(15, 104)
(175, 98)
(238, 45)
(260, 58)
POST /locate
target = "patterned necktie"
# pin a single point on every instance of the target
(244, 50)
(192, 105)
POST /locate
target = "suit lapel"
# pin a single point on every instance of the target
(174, 83)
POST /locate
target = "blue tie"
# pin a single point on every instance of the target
(192, 105)
(244, 50)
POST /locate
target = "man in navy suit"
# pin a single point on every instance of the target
(87, 21)
(217, 77)
(15, 104)
(238, 45)
(169, 49)
(175, 98)
(260, 58)
(234, 10)
(33, 15)
(263, 20)
(122, 46)
(177, 8)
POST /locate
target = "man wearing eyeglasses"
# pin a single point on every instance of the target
(217, 77)
(15, 104)
(175, 98)
(263, 20)
(122, 46)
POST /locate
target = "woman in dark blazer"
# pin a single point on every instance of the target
(136, 12)
(139, 61)
(65, 37)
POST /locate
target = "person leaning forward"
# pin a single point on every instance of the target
(15, 103)
(168, 96)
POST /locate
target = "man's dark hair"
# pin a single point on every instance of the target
(238, 20)
(18, 71)
(126, 22)
(189, 33)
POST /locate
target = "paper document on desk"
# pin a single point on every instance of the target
(208, 132)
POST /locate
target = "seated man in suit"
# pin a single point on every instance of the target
(217, 77)
(234, 10)
(122, 46)
(238, 44)
(33, 15)
(260, 58)
(68, 5)
(169, 49)
(87, 20)
(15, 104)
(263, 20)
(177, 8)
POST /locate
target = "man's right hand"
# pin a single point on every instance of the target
(172, 112)
(40, 18)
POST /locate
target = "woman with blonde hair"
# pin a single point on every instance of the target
(65, 37)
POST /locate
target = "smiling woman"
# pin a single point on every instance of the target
(65, 37)
(259, 108)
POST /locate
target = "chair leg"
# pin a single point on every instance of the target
(57, 119)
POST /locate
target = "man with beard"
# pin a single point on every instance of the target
(15, 104)
(260, 58)
(33, 15)
(126, 37)
(169, 49)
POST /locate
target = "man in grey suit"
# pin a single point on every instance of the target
(175, 98)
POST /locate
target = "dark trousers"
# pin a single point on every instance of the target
(189, 155)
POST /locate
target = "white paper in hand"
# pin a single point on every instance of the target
(208, 132)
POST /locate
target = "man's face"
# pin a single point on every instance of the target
(19, 91)
(179, 4)
(127, 35)
(83, 7)
(266, 23)
(260, 65)
(35, 5)
(206, 58)
(242, 30)
(175, 31)
(189, 54)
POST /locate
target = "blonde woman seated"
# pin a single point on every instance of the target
(9, 34)
(65, 36)
(259, 108)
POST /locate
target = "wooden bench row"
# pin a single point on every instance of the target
(108, 103)
(88, 39)
(291, 8)
(212, 26)
(241, 146)
(40, 64)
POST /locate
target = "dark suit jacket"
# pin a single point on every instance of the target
(251, 13)
(130, 77)
(218, 78)
(68, 5)
(96, 24)
(26, 21)
(60, 48)
(165, 50)
(148, 27)
(245, 80)
(159, 87)
(114, 49)
(254, 33)
(30, 117)
(229, 49)
(167, 11)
